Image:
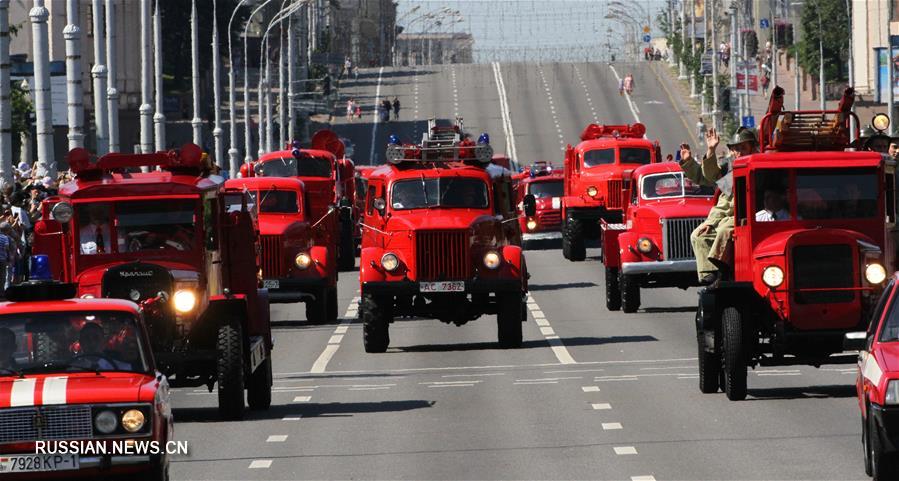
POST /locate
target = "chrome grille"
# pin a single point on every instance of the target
(614, 194)
(676, 237)
(551, 218)
(273, 265)
(442, 255)
(58, 422)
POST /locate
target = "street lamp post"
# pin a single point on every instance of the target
(159, 116)
(75, 94)
(196, 122)
(217, 91)
(233, 153)
(112, 92)
(248, 144)
(6, 163)
(146, 110)
(99, 73)
(46, 160)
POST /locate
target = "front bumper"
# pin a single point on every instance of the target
(532, 236)
(886, 421)
(659, 267)
(296, 290)
(478, 286)
(92, 467)
(595, 214)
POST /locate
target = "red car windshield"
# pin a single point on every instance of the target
(672, 184)
(627, 155)
(136, 226)
(458, 192)
(291, 167)
(44, 342)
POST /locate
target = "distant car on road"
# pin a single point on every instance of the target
(546, 185)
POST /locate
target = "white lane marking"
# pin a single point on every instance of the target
(324, 358)
(541, 321)
(374, 124)
(643, 478)
(302, 399)
(455, 92)
(621, 450)
(511, 152)
(547, 331)
(627, 96)
(616, 379)
(260, 464)
(531, 383)
(590, 388)
(552, 106)
(334, 342)
(475, 375)
(537, 313)
(276, 438)
(368, 388)
(335, 339)
(441, 383)
(341, 329)
(291, 418)
(561, 352)
(611, 426)
(556, 344)
(22, 393)
(290, 389)
(772, 374)
(547, 379)
(601, 406)
(452, 385)
(54, 390)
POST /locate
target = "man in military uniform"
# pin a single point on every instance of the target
(712, 240)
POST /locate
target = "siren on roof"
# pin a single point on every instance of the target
(597, 131)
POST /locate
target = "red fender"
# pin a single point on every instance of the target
(323, 266)
(368, 273)
(611, 258)
(513, 265)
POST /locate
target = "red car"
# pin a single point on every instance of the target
(546, 185)
(877, 385)
(78, 371)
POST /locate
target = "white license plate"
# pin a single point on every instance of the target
(38, 462)
(271, 283)
(445, 286)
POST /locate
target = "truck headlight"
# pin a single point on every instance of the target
(773, 276)
(185, 301)
(133, 420)
(892, 394)
(532, 224)
(390, 262)
(492, 260)
(106, 422)
(875, 273)
(302, 261)
(591, 191)
(62, 212)
(644, 245)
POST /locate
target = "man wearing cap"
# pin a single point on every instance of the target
(712, 239)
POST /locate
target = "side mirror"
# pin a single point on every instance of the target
(379, 204)
(855, 341)
(530, 205)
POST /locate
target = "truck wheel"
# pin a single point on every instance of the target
(709, 367)
(375, 314)
(159, 470)
(346, 256)
(734, 354)
(613, 293)
(511, 316)
(230, 371)
(866, 446)
(332, 304)
(44, 347)
(573, 240)
(259, 391)
(630, 293)
(883, 465)
(317, 310)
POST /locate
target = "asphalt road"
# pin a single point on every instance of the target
(591, 395)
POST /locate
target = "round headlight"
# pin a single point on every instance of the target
(532, 224)
(881, 122)
(875, 273)
(106, 422)
(591, 191)
(302, 260)
(773, 276)
(492, 260)
(644, 245)
(87, 296)
(62, 212)
(390, 262)
(185, 300)
(133, 420)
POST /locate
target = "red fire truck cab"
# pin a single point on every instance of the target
(651, 248)
(813, 226)
(297, 263)
(596, 173)
(361, 179)
(546, 185)
(167, 235)
(435, 240)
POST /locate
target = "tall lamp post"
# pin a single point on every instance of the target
(233, 153)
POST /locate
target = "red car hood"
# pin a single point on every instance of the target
(74, 388)
(437, 219)
(889, 356)
(277, 224)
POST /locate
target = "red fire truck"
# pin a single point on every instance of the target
(362, 173)
(596, 173)
(651, 248)
(546, 185)
(814, 229)
(297, 263)
(434, 242)
(117, 232)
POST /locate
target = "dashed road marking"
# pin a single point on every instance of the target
(335, 339)
(506, 115)
(451, 385)
(547, 331)
(334, 342)
(622, 450)
(302, 399)
(475, 375)
(555, 343)
(611, 426)
(374, 124)
(291, 418)
(532, 383)
(276, 438)
(552, 106)
(341, 329)
(541, 321)
(368, 388)
(590, 388)
(601, 406)
(260, 464)
(643, 478)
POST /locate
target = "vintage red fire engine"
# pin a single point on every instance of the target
(596, 173)
(297, 263)
(814, 226)
(546, 185)
(651, 248)
(362, 173)
(73, 372)
(434, 243)
(329, 178)
(877, 385)
(120, 233)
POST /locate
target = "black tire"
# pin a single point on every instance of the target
(512, 312)
(44, 347)
(630, 293)
(735, 355)
(866, 446)
(709, 367)
(159, 470)
(332, 304)
(884, 466)
(259, 390)
(317, 310)
(346, 255)
(573, 240)
(229, 370)
(613, 291)
(376, 315)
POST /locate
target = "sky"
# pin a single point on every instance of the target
(535, 30)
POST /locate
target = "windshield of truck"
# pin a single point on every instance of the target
(272, 202)
(672, 184)
(291, 167)
(836, 193)
(144, 225)
(631, 155)
(546, 189)
(592, 158)
(460, 192)
(89, 341)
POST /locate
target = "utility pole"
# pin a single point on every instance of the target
(146, 82)
(196, 122)
(46, 160)
(233, 153)
(291, 90)
(693, 92)
(5, 106)
(282, 89)
(112, 92)
(217, 89)
(682, 75)
(715, 101)
(159, 116)
(101, 117)
(74, 91)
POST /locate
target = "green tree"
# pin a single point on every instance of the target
(826, 21)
